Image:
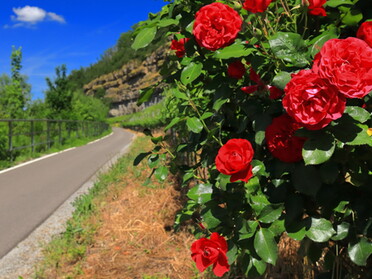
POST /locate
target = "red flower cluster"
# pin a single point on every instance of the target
(256, 6)
(365, 32)
(206, 252)
(234, 158)
(179, 46)
(342, 69)
(236, 70)
(216, 26)
(282, 142)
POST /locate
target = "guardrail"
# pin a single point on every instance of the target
(42, 134)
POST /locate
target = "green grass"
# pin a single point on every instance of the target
(27, 154)
(70, 247)
(150, 117)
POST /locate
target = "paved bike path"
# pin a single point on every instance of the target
(31, 193)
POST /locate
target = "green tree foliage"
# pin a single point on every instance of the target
(14, 90)
(59, 96)
(88, 108)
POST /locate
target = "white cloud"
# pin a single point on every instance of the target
(55, 17)
(29, 16)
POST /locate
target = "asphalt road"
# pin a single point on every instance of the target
(31, 193)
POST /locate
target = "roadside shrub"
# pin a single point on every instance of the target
(303, 104)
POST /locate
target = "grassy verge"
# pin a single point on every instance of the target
(70, 247)
(27, 155)
(150, 117)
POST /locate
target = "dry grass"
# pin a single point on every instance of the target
(133, 240)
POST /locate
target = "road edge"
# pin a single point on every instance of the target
(21, 260)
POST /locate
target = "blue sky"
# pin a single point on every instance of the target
(71, 32)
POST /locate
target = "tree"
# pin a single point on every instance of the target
(14, 91)
(59, 96)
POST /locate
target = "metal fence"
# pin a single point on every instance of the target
(42, 134)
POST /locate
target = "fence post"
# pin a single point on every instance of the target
(10, 135)
(32, 137)
(60, 132)
(48, 134)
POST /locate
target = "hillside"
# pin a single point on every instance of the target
(121, 87)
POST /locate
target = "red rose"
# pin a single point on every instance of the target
(347, 64)
(211, 251)
(234, 158)
(316, 7)
(216, 26)
(256, 6)
(312, 101)
(365, 32)
(275, 92)
(236, 70)
(179, 46)
(282, 142)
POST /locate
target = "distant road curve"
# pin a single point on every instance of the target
(31, 193)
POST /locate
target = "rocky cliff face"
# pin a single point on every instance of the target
(122, 86)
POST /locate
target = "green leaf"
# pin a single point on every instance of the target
(201, 193)
(321, 230)
(319, 149)
(144, 38)
(270, 213)
(352, 17)
(258, 168)
(350, 132)
(191, 72)
(153, 161)
(161, 173)
(259, 265)
(145, 95)
(297, 230)
(218, 103)
(168, 21)
(265, 246)
(336, 3)
(277, 227)
(232, 253)
(358, 113)
(140, 157)
(306, 179)
(233, 51)
(156, 140)
(178, 94)
(342, 231)
(360, 251)
(172, 123)
(206, 115)
(281, 79)
(319, 41)
(248, 229)
(289, 47)
(213, 216)
(194, 124)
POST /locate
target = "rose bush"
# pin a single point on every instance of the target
(283, 150)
